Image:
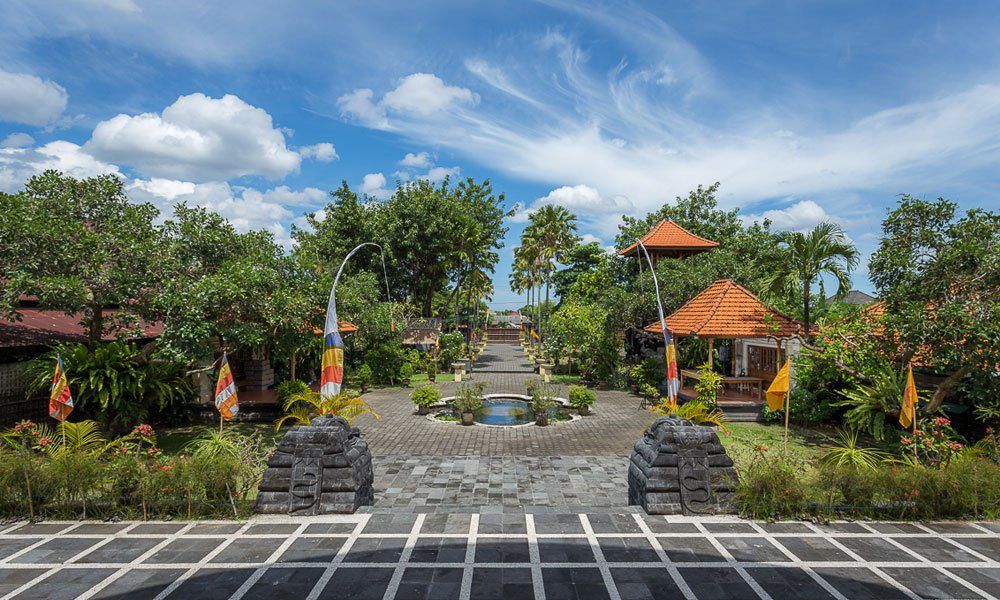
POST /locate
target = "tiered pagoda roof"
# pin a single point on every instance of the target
(667, 238)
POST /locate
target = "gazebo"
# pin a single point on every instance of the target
(669, 240)
(760, 338)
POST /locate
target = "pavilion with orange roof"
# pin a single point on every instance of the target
(669, 240)
(760, 339)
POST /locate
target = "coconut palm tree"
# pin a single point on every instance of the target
(806, 257)
(553, 232)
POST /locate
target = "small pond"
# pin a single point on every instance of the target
(506, 411)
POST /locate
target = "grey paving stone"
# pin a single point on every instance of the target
(156, 528)
(813, 549)
(11, 579)
(785, 527)
(895, 528)
(645, 584)
(354, 583)
(66, 584)
(724, 528)
(317, 549)
(121, 550)
(501, 584)
(390, 523)
(184, 550)
(788, 583)
(859, 583)
(984, 546)
(272, 529)
(248, 550)
(431, 549)
(425, 583)
(99, 528)
(214, 529)
(613, 523)
(284, 583)
(377, 550)
(56, 550)
(661, 525)
(627, 550)
(690, 549)
(716, 583)
(992, 526)
(41, 528)
(986, 579)
(929, 583)
(752, 549)
(566, 550)
(446, 523)
(505, 523)
(876, 549)
(139, 584)
(576, 583)
(329, 528)
(501, 550)
(951, 527)
(561, 523)
(937, 549)
(211, 584)
(10, 546)
(845, 528)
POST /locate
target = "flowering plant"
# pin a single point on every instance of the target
(934, 442)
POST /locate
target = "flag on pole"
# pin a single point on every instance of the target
(60, 399)
(333, 361)
(908, 412)
(534, 334)
(673, 378)
(226, 400)
(779, 387)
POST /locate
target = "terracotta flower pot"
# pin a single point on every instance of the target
(584, 410)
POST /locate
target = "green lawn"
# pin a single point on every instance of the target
(173, 440)
(803, 443)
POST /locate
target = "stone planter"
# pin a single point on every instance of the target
(542, 420)
(467, 418)
(459, 369)
(406, 382)
(545, 370)
(423, 410)
(584, 410)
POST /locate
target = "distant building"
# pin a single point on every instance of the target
(669, 240)
(422, 334)
(855, 298)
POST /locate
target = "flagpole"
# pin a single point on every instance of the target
(788, 403)
(663, 322)
(915, 401)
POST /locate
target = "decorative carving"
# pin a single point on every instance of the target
(681, 468)
(321, 468)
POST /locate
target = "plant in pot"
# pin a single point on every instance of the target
(541, 402)
(581, 398)
(635, 378)
(468, 400)
(406, 373)
(432, 369)
(364, 377)
(423, 397)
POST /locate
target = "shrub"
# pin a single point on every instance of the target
(301, 408)
(431, 367)
(868, 405)
(770, 487)
(289, 388)
(580, 396)
(450, 347)
(934, 442)
(542, 399)
(406, 371)
(425, 396)
(469, 398)
(365, 375)
(385, 360)
(648, 391)
(709, 384)
(695, 411)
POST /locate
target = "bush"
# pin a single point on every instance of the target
(287, 389)
(425, 396)
(406, 371)
(365, 375)
(708, 386)
(469, 398)
(579, 396)
(770, 487)
(542, 399)
(450, 348)
(385, 361)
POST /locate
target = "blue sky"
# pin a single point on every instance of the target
(804, 111)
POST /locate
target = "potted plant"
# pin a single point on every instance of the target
(468, 400)
(406, 373)
(432, 369)
(581, 398)
(364, 377)
(634, 377)
(423, 397)
(541, 402)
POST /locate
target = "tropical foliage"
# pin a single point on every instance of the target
(305, 405)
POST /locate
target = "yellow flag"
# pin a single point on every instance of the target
(779, 387)
(908, 412)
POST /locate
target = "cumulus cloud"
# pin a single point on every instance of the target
(585, 199)
(439, 173)
(323, 152)
(29, 99)
(197, 138)
(420, 160)
(17, 165)
(801, 216)
(17, 140)
(373, 185)
(418, 95)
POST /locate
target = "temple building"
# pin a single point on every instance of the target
(669, 240)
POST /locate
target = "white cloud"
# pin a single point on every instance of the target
(418, 95)
(29, 99)
(373, 185)
(17, 140)
(801, 216)
(439, 173)
(197, 138)
(323, 152)
(420, 160)
(401, 175)
(17, 165)
(585, 199)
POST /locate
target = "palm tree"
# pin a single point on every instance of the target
(806, 257)
(553, 232)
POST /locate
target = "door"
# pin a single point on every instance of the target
(762, 361)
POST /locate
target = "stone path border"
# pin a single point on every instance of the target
(558, 555)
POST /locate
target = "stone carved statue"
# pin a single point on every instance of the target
(321, 468)
(680, 468)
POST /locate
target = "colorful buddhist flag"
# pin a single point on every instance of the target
(673, 377)
(779, 387)
(60, 399)
(908, 412)
(534, 334)
(226, 400)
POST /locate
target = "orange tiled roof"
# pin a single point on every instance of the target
(728, 310)
(342, 325)
(667, 235)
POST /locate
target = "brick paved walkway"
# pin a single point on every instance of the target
(499, 556)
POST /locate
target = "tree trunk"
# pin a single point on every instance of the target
(943, 388)
(96, 328)
(548, 313)
(428, 304)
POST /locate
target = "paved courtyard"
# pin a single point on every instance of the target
(497, 555)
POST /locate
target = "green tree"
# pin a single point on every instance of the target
(552, 231)
(80, 246)
(579, 259)
(806, 257)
